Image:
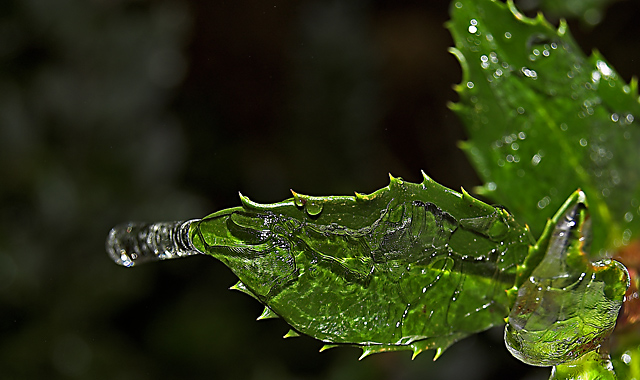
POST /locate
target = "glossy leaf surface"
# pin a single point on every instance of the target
(544, 119)
(410, 266)
(567, 306)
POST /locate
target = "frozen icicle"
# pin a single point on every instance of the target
(135, 243)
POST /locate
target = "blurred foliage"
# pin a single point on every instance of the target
(590, 12)
(131, 109)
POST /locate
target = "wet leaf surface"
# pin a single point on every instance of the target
(408, 267)
(544, 119)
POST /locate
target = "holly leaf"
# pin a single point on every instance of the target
(408, 267)
(544, 119)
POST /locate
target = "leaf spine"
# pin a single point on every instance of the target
(267, 313)
(328, 347)
(439, 352)
(366, 351)
(241, 287)
(291, 334)
(248, 203)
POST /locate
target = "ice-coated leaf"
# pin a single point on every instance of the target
(544, 119)
(408, 267)
(567, 305)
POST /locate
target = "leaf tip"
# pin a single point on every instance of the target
(416, 351)
(267, 313)
(292, 334)
(563, 27)
(425, 178)
(247, 203)
(298, 200)
(328, 347)
(366, 351)
(439, 352)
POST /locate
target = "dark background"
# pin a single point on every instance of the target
(163, 110)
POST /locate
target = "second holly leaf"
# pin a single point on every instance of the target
(544, 119)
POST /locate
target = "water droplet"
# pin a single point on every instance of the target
(313, 208)
(544, 202)
(630, 118)
(535, 160)
(564, 126)
(491, 186)
(522, 135)
(626, 358)
(583, 142)
(529, 73)
(458, 5)
(520, 110)
(628, 216)
(507, 35)
(470, 84)
(473, 29)
(515, 146)
(592, 16)
(614, 117)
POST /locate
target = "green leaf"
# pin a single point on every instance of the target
(544, 119)
(408, 267)
(566, 306)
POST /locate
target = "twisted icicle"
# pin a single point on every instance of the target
(135, 243)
